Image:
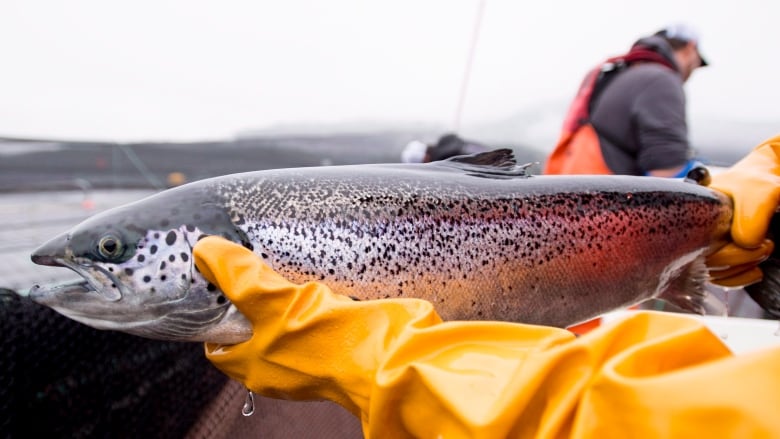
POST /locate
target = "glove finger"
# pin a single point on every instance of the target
(236, 270)
(751, 219)
(731, 255)
(731, 271)
(741, 280)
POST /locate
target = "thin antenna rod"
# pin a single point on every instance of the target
(469, 61)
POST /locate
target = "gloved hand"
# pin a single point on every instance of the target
(400, 369)
(753, 184)
(736, 267)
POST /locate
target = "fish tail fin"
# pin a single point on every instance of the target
(689, 293)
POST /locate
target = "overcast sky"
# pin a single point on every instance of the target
(156, 69)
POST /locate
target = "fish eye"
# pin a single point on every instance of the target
(110, 247)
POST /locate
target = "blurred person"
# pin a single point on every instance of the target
(414, 152)
(448, 145)
(629, 115)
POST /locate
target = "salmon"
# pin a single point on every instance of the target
(476, 235)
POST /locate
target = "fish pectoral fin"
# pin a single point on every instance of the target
(499, 163)
(687, 291)
(503, 158)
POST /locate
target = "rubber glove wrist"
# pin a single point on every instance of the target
(308, 343)
(753, 183)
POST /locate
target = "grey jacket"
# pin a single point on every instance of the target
(640, 117)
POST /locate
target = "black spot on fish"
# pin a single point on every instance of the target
(163, 278)
(162, 265)
(153, 249)
(184, 277)
(190, 228)
(211, 287)
(221, 299)
(156, 236)
(129, 271)
(147, 279)
(170, 238)
(141, 258)
(185, 257)
(172, 258)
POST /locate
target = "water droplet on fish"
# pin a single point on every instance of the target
(249, 404)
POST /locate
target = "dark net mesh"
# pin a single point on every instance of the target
(59, 378)
(63, 379)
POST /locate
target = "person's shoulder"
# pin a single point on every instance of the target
(652, 76)
(648, 71)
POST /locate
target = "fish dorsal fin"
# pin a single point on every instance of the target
(499, 163)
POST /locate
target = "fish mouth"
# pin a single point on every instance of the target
(88, 284)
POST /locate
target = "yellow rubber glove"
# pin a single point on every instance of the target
(734, 266)
(753, 184)
(400, 369)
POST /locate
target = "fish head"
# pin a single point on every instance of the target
(138, 275)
